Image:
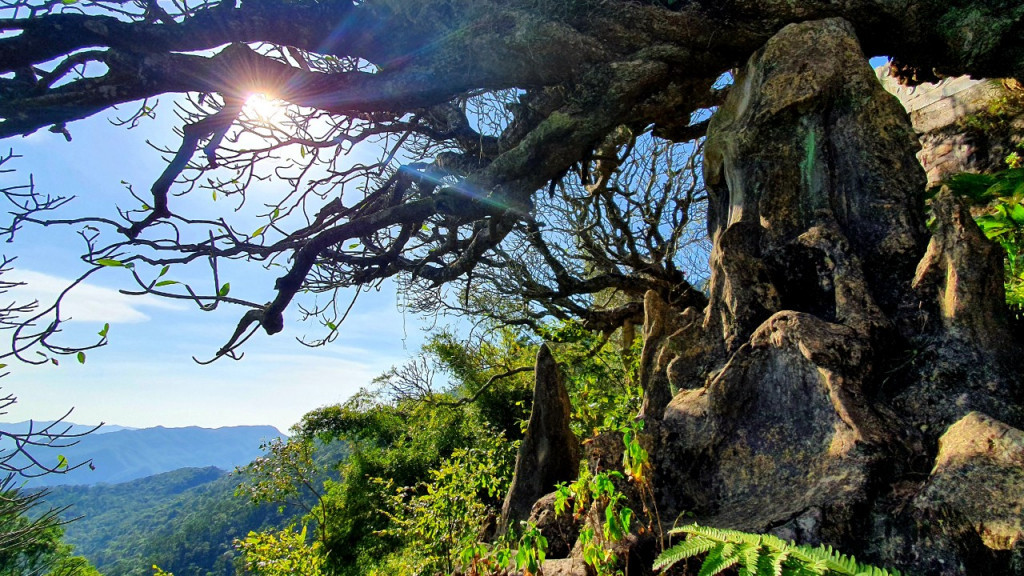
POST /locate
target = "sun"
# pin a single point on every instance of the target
(264, 108)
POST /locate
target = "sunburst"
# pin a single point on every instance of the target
(264, 109)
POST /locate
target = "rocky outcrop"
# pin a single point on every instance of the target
(811, 245)
(968, 360)
(965, 125)
(549, 452)
(968, 518)
(841, 339)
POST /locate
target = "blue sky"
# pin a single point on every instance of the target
(146, 375)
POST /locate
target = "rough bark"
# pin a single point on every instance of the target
(818, 417)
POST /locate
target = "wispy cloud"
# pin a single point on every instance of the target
(86, 302)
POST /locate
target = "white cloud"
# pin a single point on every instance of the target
(86, 302)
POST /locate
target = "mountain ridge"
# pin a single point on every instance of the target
(128, 454)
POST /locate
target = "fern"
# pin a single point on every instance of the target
(760, 555)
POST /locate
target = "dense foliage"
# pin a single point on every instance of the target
(428, 462)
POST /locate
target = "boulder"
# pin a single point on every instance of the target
(964, 124)
(968, 518)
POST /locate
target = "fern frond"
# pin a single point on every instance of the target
(761, 555)
(719, 560)
(748, 555)
(692, 546)
(770, 564)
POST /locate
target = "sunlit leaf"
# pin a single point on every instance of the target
(109, 262)
(81, 357)
(224, 289)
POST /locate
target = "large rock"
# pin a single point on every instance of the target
(979, 475)
(817, 410)
(808, 136)
(967, 360)
(969, 516)
(809, 164)
(965, 125)
(549, 452)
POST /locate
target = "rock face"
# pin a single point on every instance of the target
(549, 452)
(838, 343)
(965, 125)
(832, 390)
(973, 500)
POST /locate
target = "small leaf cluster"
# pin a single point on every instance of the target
(760, 555)
(283, 553)
(599, 488)
(532, 550)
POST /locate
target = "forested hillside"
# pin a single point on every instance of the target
(185, 521)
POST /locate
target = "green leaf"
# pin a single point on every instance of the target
(167, 282)
(1017, 214)
(353, 246)
(302, 151)
(81, 357)
(625, 516)
(68, 2)
(103, 333)
(332, 326)
(163, 271)
(259, 231)
(62, 462)
(224, 289)
(109, 262)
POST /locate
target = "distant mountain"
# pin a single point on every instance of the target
(22, 427)
(127, 454)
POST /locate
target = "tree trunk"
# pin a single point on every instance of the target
(839, 344)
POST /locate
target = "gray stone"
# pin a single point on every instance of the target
(949, 144)
(549, 452)
(969, 518)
